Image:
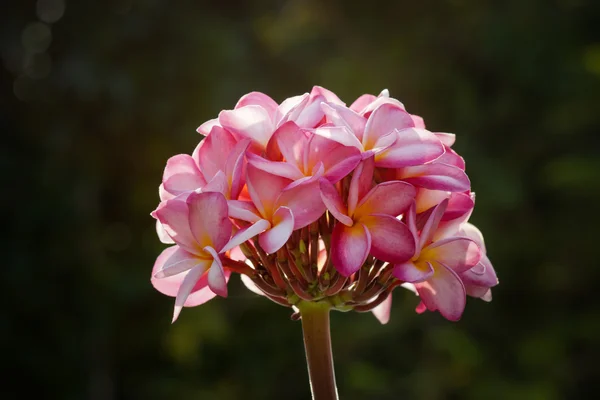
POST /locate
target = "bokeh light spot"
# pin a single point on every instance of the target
(36, 37)
(50, 11)
(591, 59)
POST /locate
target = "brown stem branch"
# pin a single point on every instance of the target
(238, 266)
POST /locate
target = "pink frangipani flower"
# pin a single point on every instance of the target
(368, 223)
(366, 103)
(389, 134)
(207, 167)
(200, 227)
(435, 266)
(307, 155)
(277, 208)
(482, 277)
(258, 117)
(171, 285)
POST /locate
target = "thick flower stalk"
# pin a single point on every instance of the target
(319, 206)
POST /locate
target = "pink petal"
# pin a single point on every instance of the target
(418, 121)
(243, 210)
(349, 247)
(281, 229)
(478, 269)
(459, 204)
(259, 99)
(361, 183)
(459, 254)
(385, 119)
(472, 232)
(163, 236)
(317, 173)
(159, 264)
(312, 114)
(452, 227)
(391, 240)
(218, 184)
(327, 94)
(432, 223)
(182, 174)
(413, 147)
(179, 261)
(340, 134)
(216, 274)
(305, 202)
(383, 143)
(411, 223)
(390, 198)
(427, 198)
(334, 203)
(381, 99)
(342, 116)
(485, 278)
(235, 166)
(209, 219)
(291, 141)
(237, 254)
(246, 234)
(421, 308)
(382, 311)
(447, 139)
(410, 287)
(252, 121)
(445, 292)
(338, 160)
(212, 153)
(413, 273)
(291, 108)
(487, 296)
(174, 216)
(362, 102)
(187, 285)
(451, 157)
(283, 169)
(480, 292)
(264, 189)
(437, 176)
(206, 127)
(163, 194)
(170, 286)
(201, 292)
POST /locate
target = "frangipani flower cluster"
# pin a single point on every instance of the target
(314, 201)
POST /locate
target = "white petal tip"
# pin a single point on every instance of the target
(176, 313)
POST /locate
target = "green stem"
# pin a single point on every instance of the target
(317, 344)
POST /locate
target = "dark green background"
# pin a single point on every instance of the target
(90, 115)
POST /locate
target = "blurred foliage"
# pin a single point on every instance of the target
(95, 96)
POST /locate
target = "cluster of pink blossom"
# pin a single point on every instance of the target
(313, 201)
